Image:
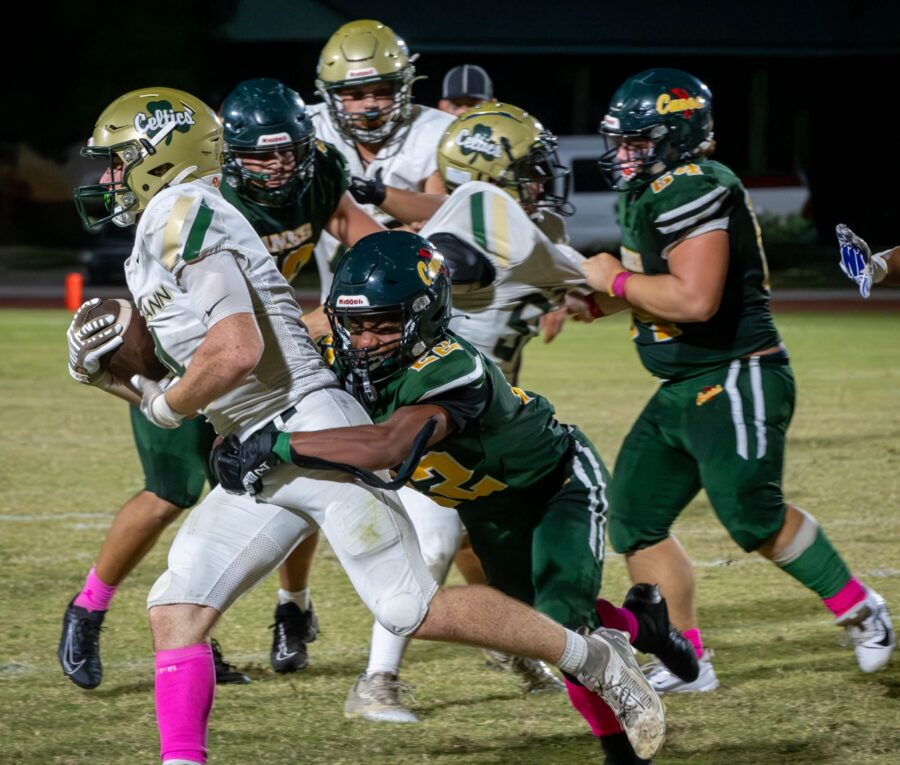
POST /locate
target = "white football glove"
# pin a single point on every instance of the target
(857, 261)
(155, 407)
(88, 343)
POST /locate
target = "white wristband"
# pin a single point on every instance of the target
(163, 415)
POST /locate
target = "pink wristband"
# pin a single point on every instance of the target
(617, 288)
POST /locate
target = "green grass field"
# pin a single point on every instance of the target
(790, 693)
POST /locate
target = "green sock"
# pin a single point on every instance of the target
(820, 567)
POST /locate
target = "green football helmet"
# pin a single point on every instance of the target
(393, 278)
(503, 144)
(153, 138)
(367, 53)
(263, 118)
(657, 120)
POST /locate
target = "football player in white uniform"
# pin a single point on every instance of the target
(226, 323)
(365, 76)
(511, 262)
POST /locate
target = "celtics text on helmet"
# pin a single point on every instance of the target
(505, 145)
(657, 120)
(366, 57)
(387, 279)
(269, 142)
(150, 139)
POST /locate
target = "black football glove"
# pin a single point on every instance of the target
(368, 192)
(240, 467)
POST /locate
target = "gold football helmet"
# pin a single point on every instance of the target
(360, 57)
(150, 138)
(504, 145)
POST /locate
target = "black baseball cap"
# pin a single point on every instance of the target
(468, 81)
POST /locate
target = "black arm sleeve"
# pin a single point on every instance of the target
(467, 265)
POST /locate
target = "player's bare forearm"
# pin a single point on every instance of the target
(891, 260)
(411, 206)
(373, 447)
(692, 290)
(231, 350)
(349, 223)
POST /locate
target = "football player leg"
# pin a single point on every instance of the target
(642, 514)
(295, 622)
(174, 465)
(376, 694)
(747, 496)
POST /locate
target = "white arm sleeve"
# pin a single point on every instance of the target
(216, 288)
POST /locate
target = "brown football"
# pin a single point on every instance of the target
(137, 354)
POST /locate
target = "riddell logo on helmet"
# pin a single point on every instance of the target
(369, 71)
(684, 102)
(611, 122)
(272, 139)
(352, 301)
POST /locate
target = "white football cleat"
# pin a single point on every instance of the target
(870, 629)
(376, 698)
(612, 673)
(534, 676)
(664, 681)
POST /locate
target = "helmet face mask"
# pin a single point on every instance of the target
(365, 77)
(394, 286)
(657, 120)
(269, 142)
(149, 139)
(504, 145)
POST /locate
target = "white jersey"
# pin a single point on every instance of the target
(406, 166)
(532, 270)
(180, 227)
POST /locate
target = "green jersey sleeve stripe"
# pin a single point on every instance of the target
(197, 233)
(459, 382)
(695, 204)
(476, 201)
(704, 215)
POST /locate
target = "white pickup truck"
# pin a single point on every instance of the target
(593, 226)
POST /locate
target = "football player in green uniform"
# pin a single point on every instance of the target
(290, 187)
(530, 490)
(692, 271)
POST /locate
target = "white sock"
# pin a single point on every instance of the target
(574, 655)
(181, 762)
(386, 651)
(301, 598)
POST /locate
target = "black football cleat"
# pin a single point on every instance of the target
(79, 646)
(293, 630)
(226, 674)
(656, 634)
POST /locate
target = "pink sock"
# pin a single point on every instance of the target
(617, 618)
(696, 641)
(846, 598)
(96, 594)
(185, 688)
(593, 709)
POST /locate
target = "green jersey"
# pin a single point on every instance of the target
(689, 201)
(290, 232)
(506, 440)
